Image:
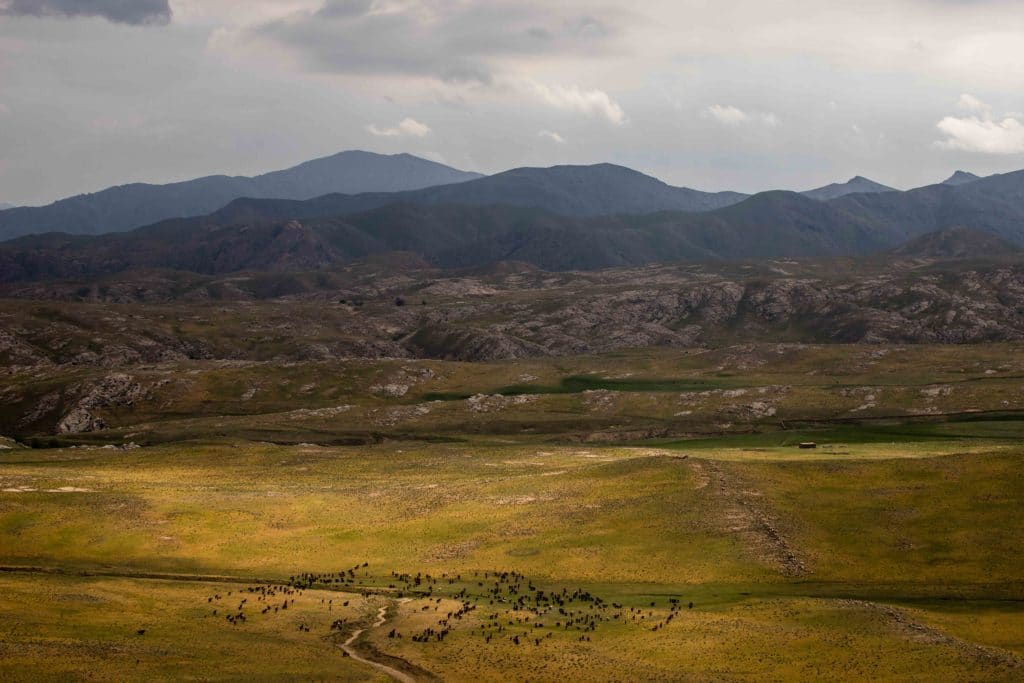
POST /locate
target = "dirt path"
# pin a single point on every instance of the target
(354, 654)
(914, 630)
(743, 511)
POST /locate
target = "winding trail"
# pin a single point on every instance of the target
(744, 512)
(354, 654)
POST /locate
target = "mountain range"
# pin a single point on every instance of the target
(358, 181)
(279, 235)
(559, 218)
(570, 191)
(371, 180)
(130, 206)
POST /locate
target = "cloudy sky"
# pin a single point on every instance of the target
(712, 94)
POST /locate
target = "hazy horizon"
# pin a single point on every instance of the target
(4, 204)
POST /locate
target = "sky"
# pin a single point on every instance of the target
(742, 95)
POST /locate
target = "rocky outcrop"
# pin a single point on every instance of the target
(113, 390)
(525, 315)
(484, 403)
(475, 344)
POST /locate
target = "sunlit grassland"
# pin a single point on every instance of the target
(70, 628)
(73, 628)
(795, 560)
(607, 514)
(751, 639)
(926, 513)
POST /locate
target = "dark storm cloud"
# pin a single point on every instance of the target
(118, 11)
(446, 40)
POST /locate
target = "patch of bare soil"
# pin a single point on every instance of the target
(454, 551)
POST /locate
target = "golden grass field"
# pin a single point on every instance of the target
(783, 559)
(890, 552)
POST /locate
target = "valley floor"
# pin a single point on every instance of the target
(639, 517)
(892, 565)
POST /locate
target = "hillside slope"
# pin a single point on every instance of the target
(994, 204)
(956, 243)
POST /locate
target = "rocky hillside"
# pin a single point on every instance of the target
(144, 348)
(401, 308)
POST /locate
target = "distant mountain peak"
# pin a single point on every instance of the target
(855, 184)
(366, 154)
(961, 178)
(587, 190)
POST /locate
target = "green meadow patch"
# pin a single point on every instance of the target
(577, 384)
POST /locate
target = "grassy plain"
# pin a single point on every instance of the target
(892, 551)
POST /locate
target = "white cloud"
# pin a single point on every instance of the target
(728, 115)
(971, 103)
(407, 127)
(553, 136)
(974, 134)
(980, 131)
(573, 98)
(4, 109)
